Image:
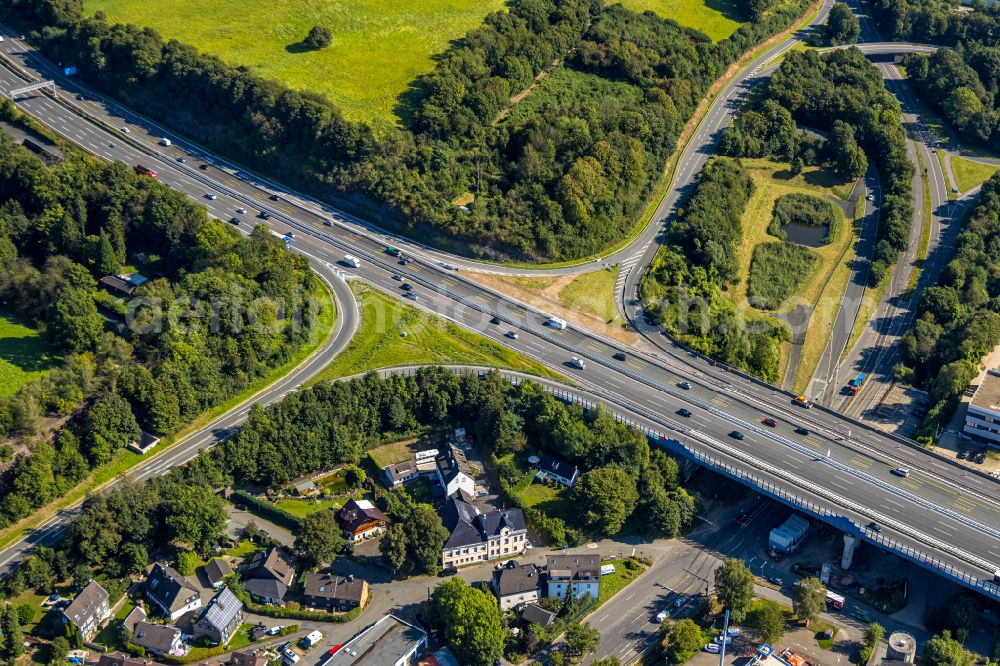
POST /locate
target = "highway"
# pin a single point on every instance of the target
(933, 509)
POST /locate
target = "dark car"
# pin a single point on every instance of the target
(264, 215)
(495, 321)
(448, 571)
(274, 197)
(619, 356)
(397, 277)
(407, 286)
(774, 580)
(203, 167)
(801, 431)
(234, 220)
(981, 457)
(404, 261)
(736, 434)
(685, 385)
(771, 423)
(684, 412)
(742, 518)
(963, 454)
(410, 295)
(874, 527)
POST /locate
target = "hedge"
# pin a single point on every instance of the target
(266, 510)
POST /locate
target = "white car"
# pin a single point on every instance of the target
(577, 362)
(712, 648)
(241, 211)
(210, 196)
(125, 130)
(661, 617)
(718, 640)
(870, 197)
(274, 631)
(901, 471)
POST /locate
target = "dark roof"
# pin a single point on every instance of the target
(169, 587)
(221, 611)
(137, 614)
(248, 658)
(156, 637)
(86, 604)
(121, 659)
(274, 563)
(327, 586)
(553, 465)
(577, 567)
(355, 513)
(118, 284)
(535, 614)
(450, 461)
(515, 581)
(469, 527)
(267, 588)
(401, 470)
(216, 570)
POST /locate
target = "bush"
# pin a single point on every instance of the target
(776, 271)
(187, 562)
(799, 208)
(267, 510)
(25, 614)
(319, 37)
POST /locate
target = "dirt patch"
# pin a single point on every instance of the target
(543, 294)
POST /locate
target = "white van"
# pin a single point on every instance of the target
(164, 141)
(314, 637)
(352, 261)
(556, 322)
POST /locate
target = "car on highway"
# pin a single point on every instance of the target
(495, 321)
(124, 130)
(203, 167)
(410, 295)
(511, 334)
(870, 197)
(769, 422)
(407, 286)
(241, 211)
(874, 527)
(210, 196)
(274, 197)
(181, 160)
(803, 401)
(235, 221)
(684, 412)
(684, 385)
(578, 363)
(327, 223)
(901, 472)
(619, 356)
(712, 648)
(404, 261)
(801, 431)
(742, 518)
(397, 277)
(737, 435)
(264, 215)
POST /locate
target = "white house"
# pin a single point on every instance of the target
(454, 472)
(582, 573)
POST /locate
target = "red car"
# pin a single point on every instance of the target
(742, 518)
(770, 422)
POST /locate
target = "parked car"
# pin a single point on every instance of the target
(712, 648)
(774, 580)
(275, 630)
(680, 601)
(963, 454)
(448, 571)
(661, 617)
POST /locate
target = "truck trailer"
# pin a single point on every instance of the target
(788, 535)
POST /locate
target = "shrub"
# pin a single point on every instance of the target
(799, 208)
(776, 271)
(319, 37)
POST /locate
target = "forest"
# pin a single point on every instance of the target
(217, 312)
(960, 82)
(336, 422)
(462, 171)
(682, 290)
(958, 319)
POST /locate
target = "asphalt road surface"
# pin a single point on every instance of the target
(936, 509)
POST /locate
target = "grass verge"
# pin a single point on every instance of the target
(716, 18)
(24, 354)
(393, 333)
(925, 231)
(126, 460)
(969, 174)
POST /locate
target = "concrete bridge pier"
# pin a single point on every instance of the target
(850, 545)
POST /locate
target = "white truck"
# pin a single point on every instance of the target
(556, 322)
(165, 142)
(784, 538)
(311, 639)
(352, 261)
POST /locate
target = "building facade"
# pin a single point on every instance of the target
(982, 418)
(89, 609)
(581, 573)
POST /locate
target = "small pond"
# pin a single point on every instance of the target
(806, 234)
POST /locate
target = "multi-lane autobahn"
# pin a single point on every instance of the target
(814, 454)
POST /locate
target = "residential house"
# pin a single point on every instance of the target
(88, 610)
(171, 592)
(477, 537)
(402, 472)
(535, 614)
(305, 486)
(117, 284)
(248, 658)
(388, 642)
(136, 615)
(454, 472)
(558, 470)
(269, 574)
(334, 593)
(582, 573)
(216, 571)
(360, 519)
(221, 618)
(121, 659)
(158, 639)
(516, 585)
